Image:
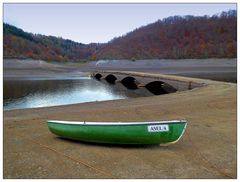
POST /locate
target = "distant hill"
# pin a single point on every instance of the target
(173, 37)
(20, 44)
(178, 37)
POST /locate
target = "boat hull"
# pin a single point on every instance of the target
(120, 133)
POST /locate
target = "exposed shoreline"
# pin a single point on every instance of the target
(216, 69)
(207, 149)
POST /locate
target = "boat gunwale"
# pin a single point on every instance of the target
(115, 123)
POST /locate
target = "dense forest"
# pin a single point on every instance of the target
(173, 37)
(20, 44)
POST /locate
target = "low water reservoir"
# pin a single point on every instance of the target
(34, 93)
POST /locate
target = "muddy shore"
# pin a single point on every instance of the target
(208, 149)
(214, 69)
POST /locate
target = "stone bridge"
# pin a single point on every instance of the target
(157, 84)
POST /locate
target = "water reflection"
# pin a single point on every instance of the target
(42, 93)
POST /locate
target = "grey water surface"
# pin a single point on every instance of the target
(34, 93)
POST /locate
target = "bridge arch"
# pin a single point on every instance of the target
(129, 82)
(159, 88)
(98, 76)
(111, 78)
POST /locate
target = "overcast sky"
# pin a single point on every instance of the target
(87, 23)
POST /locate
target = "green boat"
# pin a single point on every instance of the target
(157, 132)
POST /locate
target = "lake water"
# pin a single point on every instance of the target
(35, 93)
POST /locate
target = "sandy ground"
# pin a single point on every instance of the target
(24, 69)
(215, 69)
(208, 149)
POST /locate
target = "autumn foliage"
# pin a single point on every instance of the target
(173, 37)
(20, 44)
(178, 37)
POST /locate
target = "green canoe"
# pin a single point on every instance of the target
(157, 132)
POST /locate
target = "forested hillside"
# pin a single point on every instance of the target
(19, 44)
(178, 37)
(173, 37)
